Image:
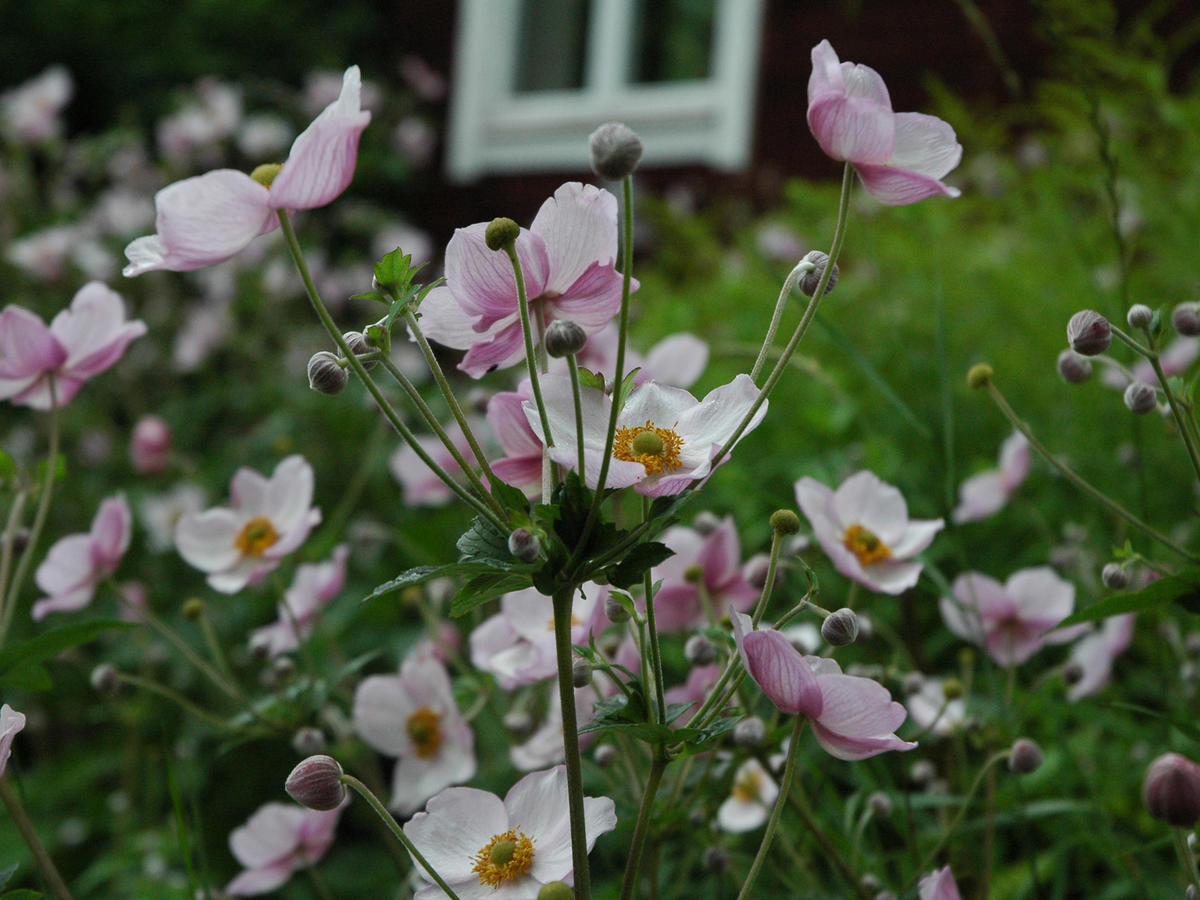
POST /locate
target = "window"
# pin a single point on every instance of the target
(532, 79)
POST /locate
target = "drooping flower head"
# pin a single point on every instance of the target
(900, 157)
(82, 341)
(11, 722)
(665, 439)
(277, 841)
(864, 528)
(209, 218)
(313, 586)
(76, 563)
(488, 849)
(985, 493)
(568, 259)
(268, 518)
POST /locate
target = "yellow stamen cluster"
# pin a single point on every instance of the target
(866, 545)
(424, 728)
(747, 787)
(655, 448)
(506, 856)
(256, 536)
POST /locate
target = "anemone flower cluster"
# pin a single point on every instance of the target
(77, 563)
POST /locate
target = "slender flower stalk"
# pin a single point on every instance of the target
(802, 268)
(154, 687)
(562, 600)
(356, 366)
(531, 356)
(655, 648)
(7, 540)
(397, 832)
(785, 784)
(573, 369)
(768, 586)
(657, 767)
(1185, 857)
(41, 858)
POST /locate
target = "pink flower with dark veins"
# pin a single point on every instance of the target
(76, 563)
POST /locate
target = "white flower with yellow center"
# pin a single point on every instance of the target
(666, 439)
(267, 519)
(749, 803)
(489, 849)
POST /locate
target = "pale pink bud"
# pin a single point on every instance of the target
(317, 783)
(1171, 790)
(1089, 333)
(150, 445)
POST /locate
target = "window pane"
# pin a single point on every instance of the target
(672, 40)
(552, 45)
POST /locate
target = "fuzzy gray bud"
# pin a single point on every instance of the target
(809, 280)
(1114, 576)
(1140, 398)
(749, 732)
(922, 773)
(880, 804)
(1074, 368)
(581, 672)
(564, 338)
(913, 682)
(1089, 333)
(105, 679)
(699, 650)
(616, 150)
(325, 373)
(308, 740)
(1139, 316)
(518, 722)
(1186, 319)
(523, 545)
(840, 627)
(605, 755)
(317, 783)
(716, 860)
(616, 611)
(1191, 893)
(706, 522)
(357, 342)
(1025, 756)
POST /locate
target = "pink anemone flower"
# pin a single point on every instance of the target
(986, 492)
(313, 586)
(277, 841)
(711, 562)
(211, 217)
(82, 341)
(76, 563)
(939, 885)
(1093, 655)
(900, 157)
(567, 257)
(521, 465)
(11, 722)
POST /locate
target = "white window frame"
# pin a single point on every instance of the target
(494, 129)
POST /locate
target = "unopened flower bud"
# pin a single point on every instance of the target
(1186, 319)
(523, 545)
(501, 233)
(357, 342)
(1141, 398)
(581, 672)
(880, 804)
(149, 445)
(193, 609)
(518, 722)
(1073, 672)
(325, 373)
(1191, 893)
(979, 376)
(885, 895)
(615, 610)
(870, 882)
(105, 679)
(1139, 316)
(922, 772)
(308, 740)
(694, 574)
(265, 174)
(556, 890)
(1089, 333)
(706, 522)
(605, 755)
(716, 860)
(1191, 644)
(952, 689)
(699, 650)
(809, 280)
(1024, 757)
(564, 338)
(283, 668)
(840, 627)
(317, 783)
(1114, 576)
(913, 682)
(616, 150)
(749, 732)
(1073, 368)
(756, 570)
(1171, 790)
(785, 522)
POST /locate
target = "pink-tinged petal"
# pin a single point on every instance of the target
(560, 413)
(1094, 654)
(381, 712)
(497, 350)
(676, 606)
(206, 539)
(482, 280)
(521, 472)
(27, 347)
(67, 566)
(442, 319)
(660, 404)
(111, 531)
(579, 226)
(68, 601)
(826, 77)
(720, 555)
(538, 805)
(248, 490)
(201, 221)
(858, 718)
(938, 885)
(980, 496)
(506, 418)
(918, 535)
(321, 162)
(849, 110)
(11, 722)
(94, 330)
(777, 667)
(864, 499)
(1041, 595)
(1016, 459)
(592, 300)
(678, 359)
(900, 187)
(416, 779)
(925, 145)
(816, 502)
(889, 577)
(289, 495)
(269, 834)
(457, 823)
(253, 882)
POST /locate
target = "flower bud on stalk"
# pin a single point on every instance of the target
(1089, 333)
(699, 650)
(501, 233)
(1114, 576)
(1025, 756)
(1186, 319)
(1074, 368)
(1140, 398)
(749, 732)
(316, 783)
(809, 280)
(616, 150)
(785, 522)
(523, 545)
(357, 342)
(564, 338)
(840, 627)
(308, 740)
(706, 522)
(716, 860)
(105, 679)
(325, 373)
(581, 672)
(1171, 790)
(1139, 316)
(615, 610)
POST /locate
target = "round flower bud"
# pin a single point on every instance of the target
(756, 570)
(880, 804)
(1141, 398)
(1171, 790)
(1191, 643)
(616, 150)
(325, 373)
(105, 679)
(283, 668)
(581, 672)
(706, 522)
(150, 445)
(193, 609)
(615, 610)
(308, 740)
(1073, 672)
(716, 860)
(840, 627)
(501, 233)
(1191, 893)
(1073, 368)
(809, 280)
(265, 174)
(1089, 333)
(1114, 576)
(785, 522)
(952, 689)
(564, 338)
(317, 783)
(979, 375)
(518, 722)
(357, 342)
(913, 682)
(694, 574)
(885, 895)
(1024, 757)
(1139, 316)
(749, 732)
(1186, 319)
(523, 545)
(922, 773)
(699, 650)
(605, 755)
(870, 882)
(556, 890)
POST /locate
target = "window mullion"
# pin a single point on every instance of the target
(608, 49)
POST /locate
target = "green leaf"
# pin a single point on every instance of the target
(483, 541)
(588, 378)
(639, 560)
(371, 295)
(8, 473)
(627, 385)
(1187, 727)
(23, 894)
(485, 587)
(1182, 588)
(421, 574)
(509, 496)
(51, 643)
(27, 677)
(7, 873)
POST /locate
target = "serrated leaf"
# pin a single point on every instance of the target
(51, 643)
(1182, 588)
(588, 378)
(372, 295)
(484, 541)
(639, 560)
(509, 496)
(675, 710)
(485, 587)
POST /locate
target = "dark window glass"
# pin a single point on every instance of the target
(552, 45)
(672, 40)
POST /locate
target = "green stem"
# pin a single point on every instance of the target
(531, 358)
(356, 366)
(772, 565)
(1185, 857)
(652, 628)
(573, 368)
(657, 768)
(29, 834)
(1180, 422)
(397, 832)
(1078, 480)
(175, 697)
(801, 268)
(785, 785)
(563, 600)
(832, 853)
(15, 513)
